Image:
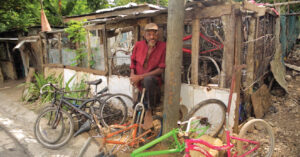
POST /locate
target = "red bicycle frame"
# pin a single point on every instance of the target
(217, 45)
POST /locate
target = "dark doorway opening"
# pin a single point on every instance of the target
(18, 63)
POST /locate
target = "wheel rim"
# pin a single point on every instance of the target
(257, 131)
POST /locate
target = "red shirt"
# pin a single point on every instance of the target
(156, 58)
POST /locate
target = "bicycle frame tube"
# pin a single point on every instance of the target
(190, 145)
(179, 147)
(77, 109)
(135, 126)
(248, 141)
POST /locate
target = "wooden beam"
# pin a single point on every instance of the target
(173, 65)
(195, 50)
(284, 3)
(107, 14)
(214, 11)
(260, 11)
(228, 55)
(78, 69)
(120, 24)
(291, 14)
(237, 61)
(94, 27)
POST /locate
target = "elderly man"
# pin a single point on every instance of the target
(147, 65)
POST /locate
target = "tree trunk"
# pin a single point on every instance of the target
(173, 64)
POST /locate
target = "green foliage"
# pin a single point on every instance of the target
(32, 89)
(80, 86)
(77, 34)
(18, 14)
(97, 4)
(76, 31)
(21, 14)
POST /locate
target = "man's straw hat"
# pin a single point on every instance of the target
(151, 26)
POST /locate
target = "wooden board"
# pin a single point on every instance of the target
(214, 11)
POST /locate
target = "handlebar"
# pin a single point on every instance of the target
(51, 85)
(202, 120)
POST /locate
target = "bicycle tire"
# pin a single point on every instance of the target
(42, 135)
(113, 111)
(50, 120)
(78, 118)
(257, 126)
(209, 113)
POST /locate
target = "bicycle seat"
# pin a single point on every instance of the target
(95, 82)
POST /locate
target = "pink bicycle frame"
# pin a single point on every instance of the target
(190, 145)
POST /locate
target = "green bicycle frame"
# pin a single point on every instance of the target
(179, 147)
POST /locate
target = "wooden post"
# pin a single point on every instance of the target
(250, 64)
(8, 52)
(136, 33)
(89, 47)
(228, 52)
(195, 50)
(1, 77)
(237, 61)
(24, 60)
(173, 65)
(60, 48)
(104, 39)
(47, 47)
(256, 51)
(30, 75)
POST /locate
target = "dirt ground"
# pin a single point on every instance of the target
(284, 114)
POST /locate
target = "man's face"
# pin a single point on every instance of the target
(151, 37)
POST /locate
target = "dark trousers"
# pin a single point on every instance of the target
(152, 93)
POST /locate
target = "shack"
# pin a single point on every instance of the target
(229, 34)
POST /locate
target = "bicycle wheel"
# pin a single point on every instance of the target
(53, 128)
(113, 110)
(156, 129)
(260, 131)
(214, 110)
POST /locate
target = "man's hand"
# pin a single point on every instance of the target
(134, 79)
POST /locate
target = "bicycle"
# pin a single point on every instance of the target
(176, 134)
(262, 146)
(54, 126)
(136, 136)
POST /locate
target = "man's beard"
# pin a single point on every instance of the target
(151, 43)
